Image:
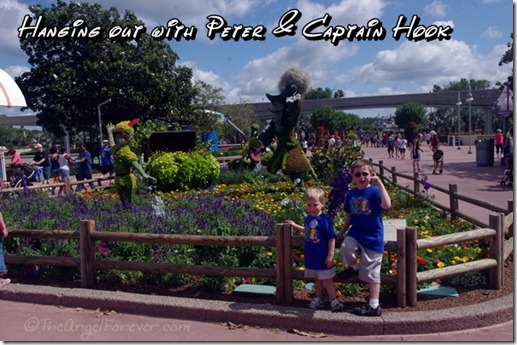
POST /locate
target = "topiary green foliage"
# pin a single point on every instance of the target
(125, 160)
(183, 170)
(289, 156)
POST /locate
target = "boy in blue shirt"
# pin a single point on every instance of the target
(365, 239)
(320, 242)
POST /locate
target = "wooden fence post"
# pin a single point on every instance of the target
(288, 264)
(67, 186)
(280, 289)
(401, 268)
(411, 263)
(510, 206)
(394, 175)
(453, 201)
(496, 274)
(87, 253)
(381, 168)
(416, 183)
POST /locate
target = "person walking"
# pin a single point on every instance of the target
(364, 205)
(499, 141)
(41, 158)
(106, 159)
(320, 241)
(415, 154)
(402, 147)
(84, 165)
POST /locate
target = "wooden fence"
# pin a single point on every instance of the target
(499, 233)
(38, 186)
(452, 192)
(406, 246)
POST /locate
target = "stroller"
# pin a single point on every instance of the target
(30, 174)
(508, 171)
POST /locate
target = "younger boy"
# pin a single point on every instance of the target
(365, 239)
(320, 242)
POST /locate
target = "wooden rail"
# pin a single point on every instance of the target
(452, 192)
(406, 246)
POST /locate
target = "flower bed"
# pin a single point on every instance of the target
(243, 209)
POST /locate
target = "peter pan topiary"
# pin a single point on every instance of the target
(124, 160)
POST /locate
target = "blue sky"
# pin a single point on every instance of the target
(249, 69)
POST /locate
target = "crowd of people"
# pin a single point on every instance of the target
(57, 164)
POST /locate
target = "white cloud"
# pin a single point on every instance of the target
(437, 9)
(11, 17)
(425, 64)
(491, 33)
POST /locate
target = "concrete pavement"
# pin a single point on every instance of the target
(59, 314)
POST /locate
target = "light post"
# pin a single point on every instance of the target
(458, 103)
(469, 100)
(100, 121)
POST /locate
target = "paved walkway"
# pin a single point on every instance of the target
(33, 313)
(460, 168)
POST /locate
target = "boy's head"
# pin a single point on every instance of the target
(362, 172)
(314, 200)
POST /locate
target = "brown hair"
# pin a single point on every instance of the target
(361, 163)
(315, 193)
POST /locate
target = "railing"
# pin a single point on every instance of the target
(406, 246)
(452, 192)
(67, 184)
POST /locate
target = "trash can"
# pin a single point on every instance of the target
(485, 153)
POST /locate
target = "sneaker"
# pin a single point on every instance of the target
(367, 310)
(434, 172)
(441, 171)
(347, 274)
(316, 303)
(4, 282)
(336, 306)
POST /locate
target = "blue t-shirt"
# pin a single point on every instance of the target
(318, 231)
(86, 166)
(365, 209)
(105, 154)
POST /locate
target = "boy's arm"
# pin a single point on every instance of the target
(294, 225)
(385, 198)
(329, 261)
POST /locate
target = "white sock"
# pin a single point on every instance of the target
(373, 302)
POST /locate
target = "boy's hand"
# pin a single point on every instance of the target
(329, 261)
(375, 180)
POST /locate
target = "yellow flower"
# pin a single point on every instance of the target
(440, 264)
(465, 259)
(429, 250)
(269, 254)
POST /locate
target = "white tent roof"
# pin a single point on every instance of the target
(10, 93)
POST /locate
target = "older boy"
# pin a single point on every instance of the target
(365, 239)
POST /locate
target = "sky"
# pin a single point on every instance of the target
(465, 39)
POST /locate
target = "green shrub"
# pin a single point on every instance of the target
(183, 170)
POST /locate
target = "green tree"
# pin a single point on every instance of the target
(320, 93)
(444, 120)
(508, 55)
(242, 115)
(69, 78)
(410, 112)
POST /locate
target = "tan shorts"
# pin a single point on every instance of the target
(370, 262)
(320, 274)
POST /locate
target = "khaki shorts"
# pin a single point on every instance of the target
(320, 274)
(370, 262)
